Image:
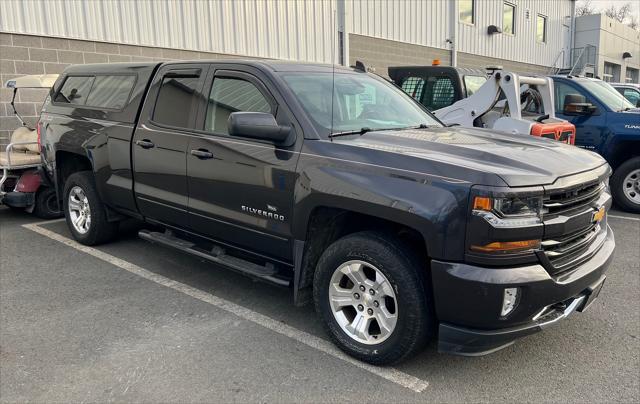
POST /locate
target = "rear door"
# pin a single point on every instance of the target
(161, 140)
(241, 190)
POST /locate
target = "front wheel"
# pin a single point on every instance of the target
(370, 292)
(85, 214)
(625, 185)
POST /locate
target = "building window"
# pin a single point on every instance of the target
(467, 11)
(632, 75)
(611, 72)
(541, 28)
(508, 18)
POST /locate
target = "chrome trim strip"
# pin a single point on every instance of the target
(568, 311)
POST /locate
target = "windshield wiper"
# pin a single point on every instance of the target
(364, 130)
(360, 132)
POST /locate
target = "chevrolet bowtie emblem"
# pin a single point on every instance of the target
(598, 215)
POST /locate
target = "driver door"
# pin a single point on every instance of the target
(241, 190)
(590, 129)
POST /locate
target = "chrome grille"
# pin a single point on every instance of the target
(565, 252)
(571, 200)
(570, 251)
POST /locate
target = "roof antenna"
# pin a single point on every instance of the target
(333, 65)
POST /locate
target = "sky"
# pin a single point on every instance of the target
(601, 5)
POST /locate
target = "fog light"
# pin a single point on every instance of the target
(509, 302)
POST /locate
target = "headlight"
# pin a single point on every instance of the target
(512, 211)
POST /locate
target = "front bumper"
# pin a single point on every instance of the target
(468, 300)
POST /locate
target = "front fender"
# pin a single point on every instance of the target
(434, 207)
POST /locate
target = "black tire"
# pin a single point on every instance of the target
(618, 185)
(46, 204)
(406, 276)
(100, 229)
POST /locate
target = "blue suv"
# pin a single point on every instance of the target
(606, 123)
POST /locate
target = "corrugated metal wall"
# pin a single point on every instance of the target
(288, 29)
(522, 46)
(285, 29)
(419, 22)
(428, 22)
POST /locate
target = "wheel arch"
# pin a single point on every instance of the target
(325, 224)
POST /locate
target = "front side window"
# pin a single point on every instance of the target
(111, 91)
(562, 91)
(632, 95)
(466, 9)
(75, 90)
(232, 95)
(541, 28)
(413, 86)
(473, 83)
(176, 98)
(508, 18)
(354, 101)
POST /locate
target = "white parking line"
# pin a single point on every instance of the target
(635, 219)
(390, 374)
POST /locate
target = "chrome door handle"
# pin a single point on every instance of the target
(202, 154)
(145, 143)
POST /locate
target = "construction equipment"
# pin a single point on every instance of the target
(511, 103)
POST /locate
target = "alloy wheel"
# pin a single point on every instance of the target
(363, 302)
(631, 186)
(79, 210)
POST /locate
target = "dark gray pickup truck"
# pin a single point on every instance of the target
(334, 183)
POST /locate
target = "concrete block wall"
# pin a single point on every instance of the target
(29, 54)
(382, 53)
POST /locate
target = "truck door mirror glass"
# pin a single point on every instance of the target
(576, 104)
(258, 125)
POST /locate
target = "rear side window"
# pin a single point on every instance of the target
(176, 98)
(413, 86)
(108, 92)
(232, 95)
(439, 93)
(111, 91)
(75, 90)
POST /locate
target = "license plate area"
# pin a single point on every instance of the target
(592, 293)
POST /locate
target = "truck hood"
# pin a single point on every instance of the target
(519, 160)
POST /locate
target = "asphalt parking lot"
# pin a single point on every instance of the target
(130, 321)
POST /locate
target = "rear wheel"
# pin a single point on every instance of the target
(625, 185)
(370, 293)
(85, 214)
(46, 204)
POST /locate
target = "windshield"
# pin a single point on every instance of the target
(358, 101)
(607, 95)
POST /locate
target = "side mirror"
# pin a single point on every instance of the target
(576, 104)
(257, 125)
